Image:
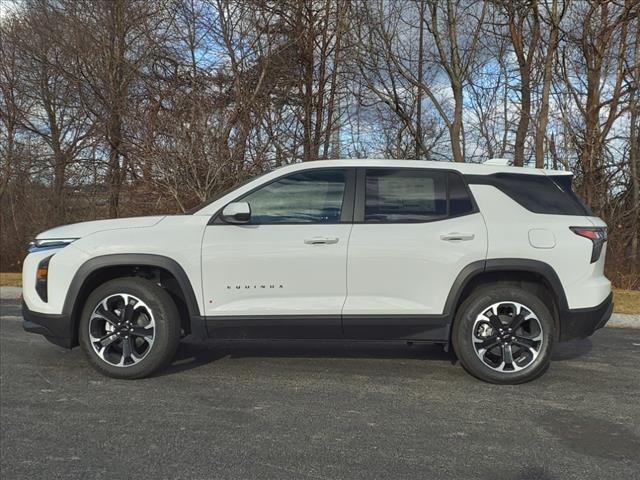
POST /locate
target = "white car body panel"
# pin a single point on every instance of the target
(79, 230)
(408, 268)
(509, 225)
(270, 270)
(62, 267)
(177, 237)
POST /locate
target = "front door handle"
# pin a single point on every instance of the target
(321, 240)
(454, 236)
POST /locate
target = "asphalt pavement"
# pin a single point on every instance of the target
(294, 410)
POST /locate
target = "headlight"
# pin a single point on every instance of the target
(40, 245)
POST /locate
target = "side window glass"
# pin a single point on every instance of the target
(459, 200)
(536, 193)
(402, 196)
(305, 197)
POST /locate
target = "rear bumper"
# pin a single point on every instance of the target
(582, 322)
(55, 328)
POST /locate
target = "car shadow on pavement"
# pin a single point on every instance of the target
(535, 473)
(193, 353)
(571, 349)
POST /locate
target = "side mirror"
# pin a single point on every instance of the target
(236, 212)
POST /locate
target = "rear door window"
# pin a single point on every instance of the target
(404, 196)
(460, 202)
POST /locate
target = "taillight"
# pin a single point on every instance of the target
(597, 235)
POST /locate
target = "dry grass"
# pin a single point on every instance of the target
(10, 279)
(626, 301)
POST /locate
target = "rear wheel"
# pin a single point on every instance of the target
(504, 335)
(130, 328)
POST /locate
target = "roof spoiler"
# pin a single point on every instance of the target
(507, 162)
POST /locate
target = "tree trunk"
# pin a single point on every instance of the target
(543, 117)
(634, 161)
(418, 140)
(592, 149)
(117, 92)
(634, 171)
(9, 159)
(332, 129)
(59, 204)
(523, 122)
(525, 44)
(115, 177)
(305, 33)
(455, 131)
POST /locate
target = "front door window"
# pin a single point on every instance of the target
(305, 197)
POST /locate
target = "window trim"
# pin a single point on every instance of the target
(359, 210)
(346, 212)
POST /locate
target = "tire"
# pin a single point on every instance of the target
(483, 345)
(132, 342)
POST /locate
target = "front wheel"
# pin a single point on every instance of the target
(130, 328)
(504, 335)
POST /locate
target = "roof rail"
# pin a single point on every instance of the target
(498, 161)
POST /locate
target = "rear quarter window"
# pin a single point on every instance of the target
(536, 193)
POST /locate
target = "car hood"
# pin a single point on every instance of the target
(79, 230)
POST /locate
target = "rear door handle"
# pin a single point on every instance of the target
(321, 240)
(454, 236)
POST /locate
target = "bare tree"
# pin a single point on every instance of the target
(523, 24)
(596, 53)
(392, 72)
(633, 69)
(122, 107)
(11, 104)
(456, 57)
(111, 42)
(54, 112)
(552, 20)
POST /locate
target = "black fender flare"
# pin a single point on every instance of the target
(124, 260)
(540, 268)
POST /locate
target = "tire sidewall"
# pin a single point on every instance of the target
(478, 302)
(166, 330)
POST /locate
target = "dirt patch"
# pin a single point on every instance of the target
(10, 279)
(626, 301)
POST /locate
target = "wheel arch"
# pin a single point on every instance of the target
(529, 274)
(98, 270)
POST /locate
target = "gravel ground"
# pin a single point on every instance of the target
(321, 411)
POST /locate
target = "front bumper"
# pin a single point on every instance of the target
(55, 328)
(582, 322)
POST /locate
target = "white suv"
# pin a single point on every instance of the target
(498, 262)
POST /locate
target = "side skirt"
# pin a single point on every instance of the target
(427, 328)
(273, 326)
(432, 328)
